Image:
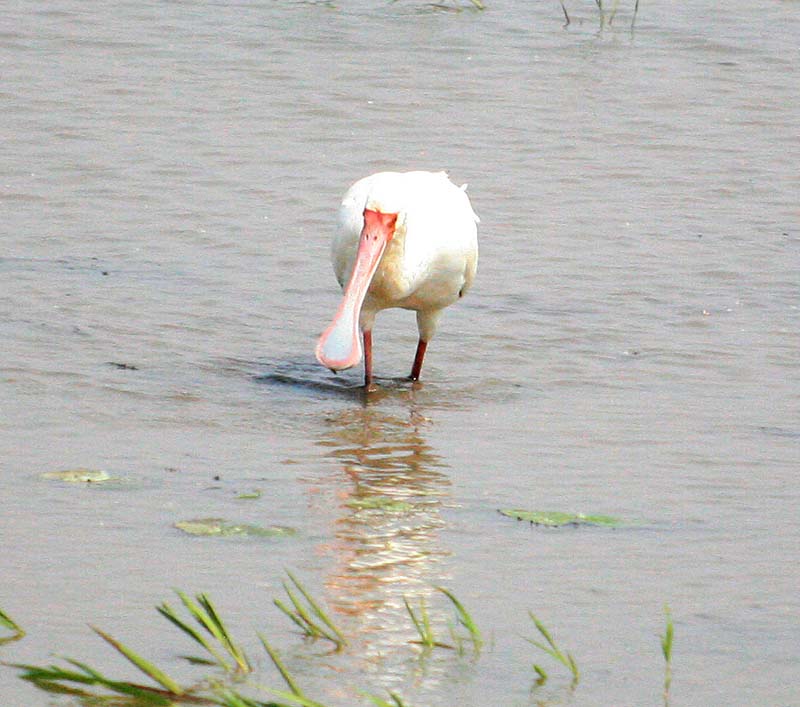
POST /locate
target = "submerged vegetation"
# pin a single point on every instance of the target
(666, 650)
(554, 651)
(558, 519)
(606, 14)
(310, 618)
(231, 684)
(222, 528)
(422, 624)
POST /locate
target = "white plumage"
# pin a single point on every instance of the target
(404, 240)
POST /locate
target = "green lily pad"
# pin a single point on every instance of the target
(256, 493)
(219, 527)
(557, 519)
(383, 503)
(77, 476)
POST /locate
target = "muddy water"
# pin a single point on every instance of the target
(169, 177)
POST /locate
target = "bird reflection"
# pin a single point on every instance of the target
(386, 491)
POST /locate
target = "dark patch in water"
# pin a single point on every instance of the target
(123, 366)
(780, 432)
(310, 377)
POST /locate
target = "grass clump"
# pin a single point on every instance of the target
(606, 15)
(463, 619)
(58, 679)
(427, 639)
(309, 617)
(206, 628)
(207, 617)
(552, 649)
(422, 623)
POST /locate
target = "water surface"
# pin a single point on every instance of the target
(169, 180)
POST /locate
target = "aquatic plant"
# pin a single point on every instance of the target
(206, 616)
(206, 628)
(606, 16)
(666, 650)
(302, 617)
(552, 650)
(421, 621)
(16, 631)
(464, 619)
(557, 519)
(454, 5)
(396, 700)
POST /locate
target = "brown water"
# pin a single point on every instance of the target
(169, 178)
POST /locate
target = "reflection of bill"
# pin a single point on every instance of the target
(386, 491)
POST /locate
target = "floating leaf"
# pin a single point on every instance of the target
(557, 519)
(219, 527)
(256, 493)
(76, 476)
(383, 503)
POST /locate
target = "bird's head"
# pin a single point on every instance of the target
(379, 225)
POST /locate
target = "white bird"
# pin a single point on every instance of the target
(405, 240)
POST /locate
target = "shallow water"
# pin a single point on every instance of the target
(170, 175)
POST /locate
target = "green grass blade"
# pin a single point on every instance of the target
(206, 615)
(543, 630)
(553, 650)
(311, 626)
(234, 699)
(294, 617)
(295, 699)
(426, 621)
(421, 623)
(666, 650)
(8, 622)
(169, 613)
(50, 673)
(464, 618)
(318, 611)
(666, 639)
(202, 617)
(397, 701)
(395, 697)
(278, 663)
(225, 638)
(573, 666)
(146, 667)
(547, 649)
(53, 677)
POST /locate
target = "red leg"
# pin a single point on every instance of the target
(417, 367)
(368, 359)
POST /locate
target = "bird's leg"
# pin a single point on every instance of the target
(417, 367)
(368, 359)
